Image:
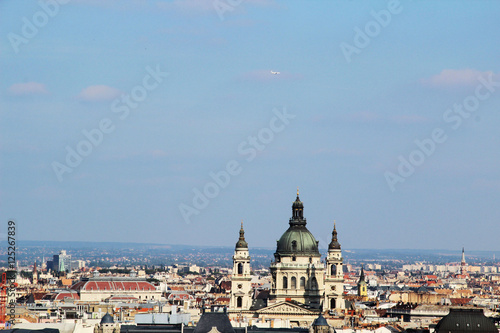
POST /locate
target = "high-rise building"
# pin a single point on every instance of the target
(60, 262)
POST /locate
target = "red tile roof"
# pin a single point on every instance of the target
(113, 286)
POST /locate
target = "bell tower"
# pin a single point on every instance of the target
(334, 277)
(362, 289)
(241, 287)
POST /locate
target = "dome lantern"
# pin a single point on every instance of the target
(297, 240)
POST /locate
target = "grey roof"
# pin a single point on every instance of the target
(107, 319)
(465, 320)
(320, 321)
(209, 320)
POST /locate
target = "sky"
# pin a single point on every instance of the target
(172, 121)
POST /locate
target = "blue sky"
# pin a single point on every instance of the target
(200, 87)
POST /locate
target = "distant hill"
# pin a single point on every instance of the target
(438, 255)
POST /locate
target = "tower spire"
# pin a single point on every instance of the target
(242, 244)
(362, 275)
(462, 263)
(334, 244)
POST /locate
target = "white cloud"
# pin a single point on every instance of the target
(28, 88)
(98, 93)
(455, 77)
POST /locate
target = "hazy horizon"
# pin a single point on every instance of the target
(170, 121)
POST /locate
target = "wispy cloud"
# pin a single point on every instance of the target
(455, 78)
(28, 89)
(336, 151)
(486, 184)
(409, 119)
(98, 93)
(187, 6)
(364, 116)
(207, 6)
(371, 117)
(158, 153)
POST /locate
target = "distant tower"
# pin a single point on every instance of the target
(334, 278)
(362, 290)
(463, 265)
(241, 287)
(35, 274)
(44, 264)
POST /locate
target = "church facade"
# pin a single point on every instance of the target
(302, 283)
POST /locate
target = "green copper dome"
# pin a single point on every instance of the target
(297, 240)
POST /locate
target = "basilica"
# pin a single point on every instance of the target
(302, 284)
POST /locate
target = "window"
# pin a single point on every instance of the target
(302, 282)
(332, 303)
(294, 282)
(333, 270)
(239, 302)
(285, 282)
(240, 268)
(314, 283)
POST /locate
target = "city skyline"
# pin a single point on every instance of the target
(169, 122)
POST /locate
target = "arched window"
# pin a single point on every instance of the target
(314, 283)
(332, 303)
(285, 282)
(302, 282)
(239, 302)
(240, 268)
(294, 245)
(294, 282)
(333, 270)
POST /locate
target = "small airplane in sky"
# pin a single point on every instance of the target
(275, 73)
